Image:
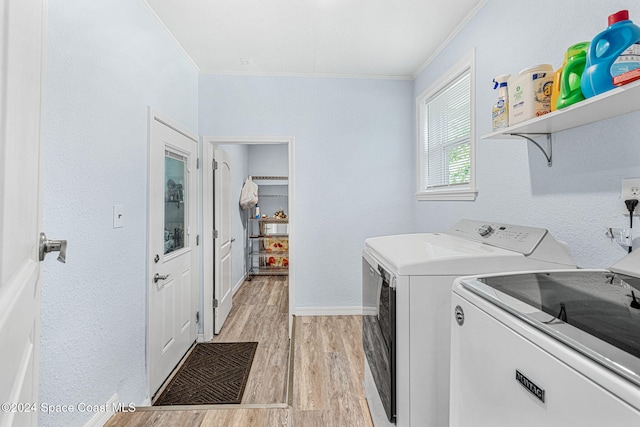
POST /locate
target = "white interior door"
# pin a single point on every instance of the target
(21, 32)
(172, 272)
(222, 252)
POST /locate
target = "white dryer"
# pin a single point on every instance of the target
(407, 283)
(553, 349)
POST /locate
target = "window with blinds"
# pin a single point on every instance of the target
(446, 137)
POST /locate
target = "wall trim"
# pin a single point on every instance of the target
(170, 34)
(311, 75)
(355, 310)
(453, 35)
(235, 288)
(100, 418)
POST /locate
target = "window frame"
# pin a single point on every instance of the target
(467, 192)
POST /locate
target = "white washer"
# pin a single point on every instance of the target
(407, 283)
(560, 348)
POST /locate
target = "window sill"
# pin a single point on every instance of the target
(466, 194)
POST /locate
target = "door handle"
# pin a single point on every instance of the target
(47, 246)
(159, 277)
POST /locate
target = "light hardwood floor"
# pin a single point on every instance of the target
(327, 372)
(260, 313)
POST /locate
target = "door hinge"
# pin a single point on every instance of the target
(198, 163)
(215, 234)
(214, 165)
(215, 303)
(197, 317)
(197, 240)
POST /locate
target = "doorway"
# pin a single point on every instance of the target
(262, 309)
(210, 144)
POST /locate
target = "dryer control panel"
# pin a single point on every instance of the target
(516, 238)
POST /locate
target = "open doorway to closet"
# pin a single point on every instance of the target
(263, 289)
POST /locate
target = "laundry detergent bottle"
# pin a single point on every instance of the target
(571, 76)
(614, 51)
(555, 89)
(500, 111)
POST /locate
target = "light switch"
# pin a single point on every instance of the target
(118, 216)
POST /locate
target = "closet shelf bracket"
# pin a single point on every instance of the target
(547, 153)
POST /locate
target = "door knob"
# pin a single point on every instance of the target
(159, 277)
(47, 246)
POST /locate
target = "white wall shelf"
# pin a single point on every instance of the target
(272, 180)
(615, 102)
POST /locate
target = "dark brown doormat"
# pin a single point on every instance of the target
(214, 373)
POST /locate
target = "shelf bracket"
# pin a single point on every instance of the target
(548, 153)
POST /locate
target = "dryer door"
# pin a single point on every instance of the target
(379, 331)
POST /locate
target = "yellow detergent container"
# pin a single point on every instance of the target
(555, 90)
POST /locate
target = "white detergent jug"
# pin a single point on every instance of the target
(530, 93)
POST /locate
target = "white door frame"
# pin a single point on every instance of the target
(154, 115)
(210, 143)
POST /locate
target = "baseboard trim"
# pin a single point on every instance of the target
(101, 417)
(235, 288)
(329, 311)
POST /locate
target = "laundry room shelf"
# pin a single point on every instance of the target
(616, 102)
(271, 220)
(268, 246)
(269, 271)
(271, 180)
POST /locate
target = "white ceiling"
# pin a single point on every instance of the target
(367, 38)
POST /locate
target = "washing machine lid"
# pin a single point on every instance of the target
(594, 312)
(629, 265)
(440, 254)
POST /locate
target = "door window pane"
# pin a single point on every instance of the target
(175, 198)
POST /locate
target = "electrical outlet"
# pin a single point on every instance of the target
(622, 236)
(630, 190)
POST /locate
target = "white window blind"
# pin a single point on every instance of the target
(445, 134)
(445, 137)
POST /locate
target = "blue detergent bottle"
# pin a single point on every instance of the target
(612, 52)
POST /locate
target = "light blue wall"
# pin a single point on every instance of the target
(270, 160)
(353, 173)
(106, 61)
(580, 195)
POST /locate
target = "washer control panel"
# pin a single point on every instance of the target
(513, 237)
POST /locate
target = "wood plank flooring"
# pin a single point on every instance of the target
(328, 368)
(260, 313)
(328, 372)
